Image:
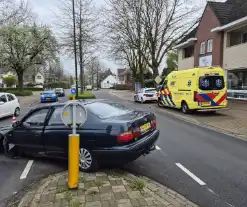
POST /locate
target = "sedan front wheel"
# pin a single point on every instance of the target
(87, 161)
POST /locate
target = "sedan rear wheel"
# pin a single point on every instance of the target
(87, 162)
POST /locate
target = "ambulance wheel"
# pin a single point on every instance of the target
(185, 108)
(159, 103)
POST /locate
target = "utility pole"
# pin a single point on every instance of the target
(76, 79)
(80, 50)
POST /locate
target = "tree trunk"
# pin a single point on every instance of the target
(20, 79)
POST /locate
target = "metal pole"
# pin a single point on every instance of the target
(76, 79)
(74, 143)
(80, 49)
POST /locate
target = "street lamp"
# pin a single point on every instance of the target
(76, 79)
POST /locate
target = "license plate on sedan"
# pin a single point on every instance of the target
(145, 127)
(48, 98)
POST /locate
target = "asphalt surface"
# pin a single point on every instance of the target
(12, 170)
(217, 163)
(207, 167)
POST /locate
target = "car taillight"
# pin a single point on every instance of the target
(153, 124)
(195, 96)
(129, 135)
(125, 136)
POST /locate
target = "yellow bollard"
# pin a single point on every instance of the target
(74, 141)
(73, 97)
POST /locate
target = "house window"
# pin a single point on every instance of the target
(107, 81)
(39, 77)
(202, 48)
(236, 37)
(188, 52)
(210, 46)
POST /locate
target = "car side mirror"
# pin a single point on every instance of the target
(16, 124)
(1, 102)
(41, 93)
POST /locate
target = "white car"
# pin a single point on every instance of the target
(146, 94)
(9, 105)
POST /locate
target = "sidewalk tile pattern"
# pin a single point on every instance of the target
(103, 189)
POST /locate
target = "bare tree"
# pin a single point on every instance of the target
(14, 13)
(86, 25)
(150, 27)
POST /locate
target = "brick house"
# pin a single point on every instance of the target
(219, 39)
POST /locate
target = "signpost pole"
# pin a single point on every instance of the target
(74, 142)
(73, 115)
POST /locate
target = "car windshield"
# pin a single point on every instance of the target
(59, 89)
(211, 83)
(150, 90)
(107, 110)
(49, 92)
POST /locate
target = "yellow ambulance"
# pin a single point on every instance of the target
(195, 89)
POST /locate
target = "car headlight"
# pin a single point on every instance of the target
(53, 95)
(42, 96)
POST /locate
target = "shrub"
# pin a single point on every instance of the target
(10, 81)
(57, 85)
(25, 88)
(123, 86)
(149, 83)
(30, 85)
(21, 92)
(85, 95)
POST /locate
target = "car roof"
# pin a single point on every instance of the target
(4, 93)
(84, 102)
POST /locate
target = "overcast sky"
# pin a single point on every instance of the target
(46, 9)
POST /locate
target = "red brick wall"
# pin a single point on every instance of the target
(208, 22)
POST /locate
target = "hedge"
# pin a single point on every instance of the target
(20, 93)
(57, 85)
(123, 86)
(85, 95)
(17, 89)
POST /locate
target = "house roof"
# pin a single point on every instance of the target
(229, 11)
(191, 34)
(226, 12)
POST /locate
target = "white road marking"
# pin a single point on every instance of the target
(157, 147)
(193, 176)
(26, 170)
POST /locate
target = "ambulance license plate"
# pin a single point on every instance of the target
(206, 103)
(145, 127)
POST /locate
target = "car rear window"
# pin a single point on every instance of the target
(107, 110)
(211, 83)
(48, 92)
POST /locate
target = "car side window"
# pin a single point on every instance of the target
(56, 117)
(37, 118)
(3, 99)
(10, 97)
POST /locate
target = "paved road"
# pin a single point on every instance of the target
(207, 167)
(12, 175)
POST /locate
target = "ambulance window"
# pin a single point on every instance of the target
(211, 83)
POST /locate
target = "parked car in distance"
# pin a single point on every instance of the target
(115, 135)
(60, 92)
(89, 87)
(146, 94)
(48, 96)
(9, 105)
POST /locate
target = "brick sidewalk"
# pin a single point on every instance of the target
(103, 189)
(233, 120)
